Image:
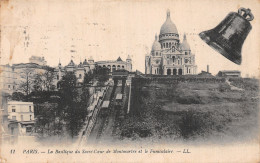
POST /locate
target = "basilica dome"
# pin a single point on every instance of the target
(184, 45)
(156, 45)
(168, 26)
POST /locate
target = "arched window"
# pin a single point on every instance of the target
(169, 72)
(167, 45)
(180, 72)
(164, 45)
(173, 58)
(174, 72)
(109, 67)
(113, 68)
(170, 45)
(123, 67)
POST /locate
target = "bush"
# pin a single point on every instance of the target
(195, 123)
(223, 87)
(189, 100)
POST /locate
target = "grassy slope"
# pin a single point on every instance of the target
(190, 111)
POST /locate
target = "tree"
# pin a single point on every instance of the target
(87, 78)
(48, 78)
(67, 88)
(27, 80)
(72, 107)
(38, 83)
(44, 81)
(101, 73)
(18, 96)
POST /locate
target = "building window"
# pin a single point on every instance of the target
(30, 108)
(13, 87)
(173, 58)
(13, 117)
(80, 76)
(30, 117)
(28, 129)
(58, 78)
(9, 86)
(12, 131)
(13, 109)
(167, 45)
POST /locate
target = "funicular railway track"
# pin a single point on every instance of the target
(100, 130)
(107, 117)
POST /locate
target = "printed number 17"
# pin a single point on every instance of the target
(12, 151)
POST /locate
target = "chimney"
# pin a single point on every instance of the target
(207, 68)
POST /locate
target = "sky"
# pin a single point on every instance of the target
(106, 29)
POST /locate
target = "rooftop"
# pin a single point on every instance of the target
(19, 103)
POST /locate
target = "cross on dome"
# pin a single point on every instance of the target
(184, 37)
(168, 13)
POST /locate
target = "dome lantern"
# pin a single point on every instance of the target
(168, 27)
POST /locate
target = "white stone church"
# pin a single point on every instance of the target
(168, 56)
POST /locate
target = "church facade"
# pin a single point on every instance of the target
(168, 55)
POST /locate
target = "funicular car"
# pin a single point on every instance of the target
(105, 108)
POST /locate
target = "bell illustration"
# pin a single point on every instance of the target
(228, 37)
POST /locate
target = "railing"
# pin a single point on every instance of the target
(129, 99)
(92, 120)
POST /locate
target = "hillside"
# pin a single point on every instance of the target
(187, 109)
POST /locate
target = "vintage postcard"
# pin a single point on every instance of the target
(129, 81)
